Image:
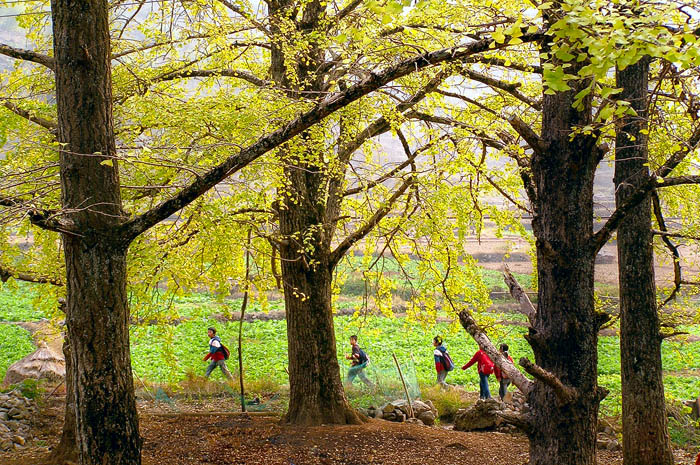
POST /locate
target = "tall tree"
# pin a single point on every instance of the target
(643, 401)
(97, 315)
(558, 178)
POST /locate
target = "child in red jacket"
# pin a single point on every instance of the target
(485, 368)
(503, 380)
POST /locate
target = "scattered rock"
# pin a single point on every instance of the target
(428, 418)
(398, 410)
(608, 444)
(16, 413)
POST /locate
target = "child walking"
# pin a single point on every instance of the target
(503, 380)
(216, 354)
(485, 368)
(359, 363)
(443, 361)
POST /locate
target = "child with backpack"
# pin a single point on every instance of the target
(360, 360)
(443, 361)
(485, 368)
(218, 353)
(503, 380)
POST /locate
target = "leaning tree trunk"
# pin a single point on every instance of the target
(97, 311)
(316, 390)
(644, 424)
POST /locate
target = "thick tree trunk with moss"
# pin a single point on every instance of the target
(644, 423)
(96, 300)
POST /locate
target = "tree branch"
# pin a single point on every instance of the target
(345, 11)
(132, 228)
(675, 159)
(411, 158)
(45, 219)
(483, 137)
(44, 123)
(535, 69)
(599, 239)
(481, 106)
(677, 181)
(565, 394)
(676, 235)
(525, 131)
(363, 230)
(677, 273)
(198, 73)
(381, 124)
(244, 14)
(508, 87)
(520, 296)
(28, 55)
(7, 273)
(485, 344)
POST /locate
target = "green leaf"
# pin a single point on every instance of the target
(498, 36)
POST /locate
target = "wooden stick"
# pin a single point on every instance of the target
(405, 389)
(244, 304)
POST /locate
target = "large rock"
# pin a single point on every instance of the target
(42, 364)
(480, 416)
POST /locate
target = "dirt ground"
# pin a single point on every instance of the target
(191, 436)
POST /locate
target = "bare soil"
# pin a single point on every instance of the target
(193, 436)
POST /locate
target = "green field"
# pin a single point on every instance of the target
(168, 353)
(15, 343)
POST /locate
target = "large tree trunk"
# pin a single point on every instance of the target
(645, 433)
(564, 337)
(565, 332)
(97, 311)
(316, 391)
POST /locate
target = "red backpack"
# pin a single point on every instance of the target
(487, 367)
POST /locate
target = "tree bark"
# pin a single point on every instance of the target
(645, 432)
(97, 310)
(316, 392)
(564, 401)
